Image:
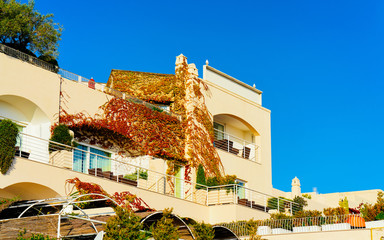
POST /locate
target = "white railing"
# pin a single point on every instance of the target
(237, 146)
(233, 193)
(296, 225)
(102, 88)
(59, 155)
(120, 170)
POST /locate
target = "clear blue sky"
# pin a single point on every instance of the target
(320, 64)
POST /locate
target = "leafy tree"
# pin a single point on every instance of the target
(203, 231)
(25, 29)
(8, 139)
(124, 225)
(164, 229)
(301, 203)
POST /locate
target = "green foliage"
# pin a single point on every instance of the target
(217, 181)
(24, 28)
(6, 202)
(380, 216)
(124, 225)
(22, 236)
(278, 203)
(164, 229)
(369, 212)
(61, 135)
(335, 211)
(301, 203)
(308, 213)
(307, 195)
(200, 177)
(8, 138)
(203, 231)
(344, 204)
(143, 174)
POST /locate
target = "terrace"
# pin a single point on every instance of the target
(122, 171)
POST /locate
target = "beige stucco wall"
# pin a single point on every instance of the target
(42, 87)
(222, 101)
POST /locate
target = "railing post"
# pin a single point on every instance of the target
(79, 79)
(137, 175)
(265, 203)
(207, 196)
(234, 193)
(278, 204)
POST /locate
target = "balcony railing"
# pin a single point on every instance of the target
(79, 79)
(237, 146)
(296, 225)
(120, 170)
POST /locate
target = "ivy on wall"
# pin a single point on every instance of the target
(135, 129)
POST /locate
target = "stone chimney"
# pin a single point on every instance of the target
(180, 60)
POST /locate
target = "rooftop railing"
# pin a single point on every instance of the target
(79, 79)
(119, 169)
(236, 145)
(297, 225)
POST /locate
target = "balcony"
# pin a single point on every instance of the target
(236, 146)
(120, 170)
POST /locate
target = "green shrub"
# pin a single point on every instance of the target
(8, 139)
(300, 204)
(61, 135)
(124, 225)
(164, 229)
(203, 231)
(200, 177)
(278, 203)
(21, 236)
(143, 174)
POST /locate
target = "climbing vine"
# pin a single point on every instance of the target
(131, 127)
(134, 129)
(125, 199)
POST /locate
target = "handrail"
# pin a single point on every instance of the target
(48, 152)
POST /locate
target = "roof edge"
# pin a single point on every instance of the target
(233, 79)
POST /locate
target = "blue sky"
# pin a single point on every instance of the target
(319, 64)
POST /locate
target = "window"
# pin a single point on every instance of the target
(219, 130)
(240, 188)
(86, 157)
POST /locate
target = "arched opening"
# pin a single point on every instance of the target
(222, 233)
(183, 229)
(33, 124)
(29, 191)
(236, 136)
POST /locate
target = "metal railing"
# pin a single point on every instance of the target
(27, 58)
(75, 77)
(236, 145)
(120, 170)
(233, 193)
(296, 225)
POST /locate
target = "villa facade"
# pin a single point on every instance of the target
(36, 97)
